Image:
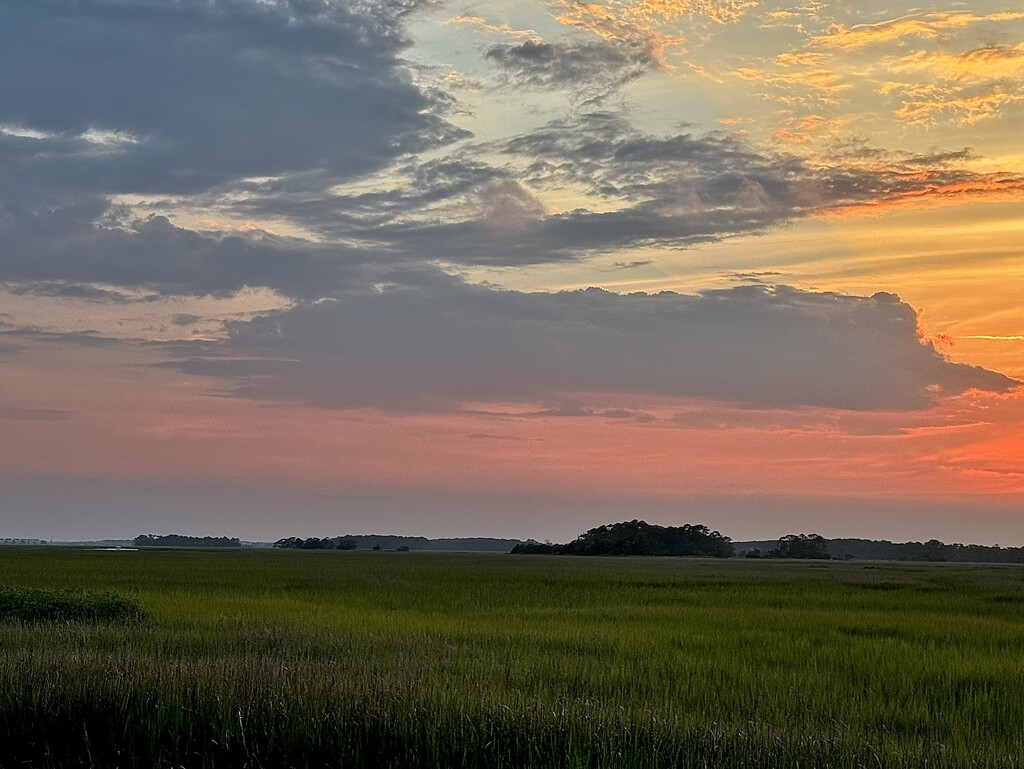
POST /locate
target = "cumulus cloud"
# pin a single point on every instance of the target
(448, 343)
(506, 205)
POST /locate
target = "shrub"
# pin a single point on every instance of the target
(30, 605)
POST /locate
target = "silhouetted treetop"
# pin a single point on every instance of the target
(812, 546)
(316, 543)
(639, 538)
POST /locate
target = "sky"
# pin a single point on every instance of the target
(312, 267)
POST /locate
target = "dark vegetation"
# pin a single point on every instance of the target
(884, 550)
(316, 543)
(808, 546)
(35, 605)
(638, 538)
(180, 540)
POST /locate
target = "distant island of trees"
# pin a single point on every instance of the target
(317, 543)
(638, 538)
(179, 540)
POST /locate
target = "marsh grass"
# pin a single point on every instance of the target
(273, 659)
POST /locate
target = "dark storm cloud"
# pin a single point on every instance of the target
(193, 97)
(596, 67)
(438, 346)
(182, 96)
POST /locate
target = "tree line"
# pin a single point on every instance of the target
(884, 550)
(180, 540)
(641, 538)
(317, 543)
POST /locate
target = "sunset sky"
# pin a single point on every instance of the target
(314, 267)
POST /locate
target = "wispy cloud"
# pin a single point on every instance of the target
(481, 24)
(926, 27)
(968, 87)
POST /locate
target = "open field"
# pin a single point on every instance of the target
(276, 659)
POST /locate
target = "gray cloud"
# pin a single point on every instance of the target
(29, 334)
(191, 97)
(88, 293)
(597, 67)
(12, 413)
(181, 96)
(672, 191)
(438, 346)
(154, 254)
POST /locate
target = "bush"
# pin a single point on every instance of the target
(30, 605)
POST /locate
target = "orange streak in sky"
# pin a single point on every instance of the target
(990, 189)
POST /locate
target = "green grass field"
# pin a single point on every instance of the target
(355, 659)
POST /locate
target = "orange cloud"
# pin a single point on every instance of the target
(790, 137)
(617, 26)
(966, 87)
(806, 128)
(970, 87)
(825, 84)
(966, 110)
(928, 27)
(721, 11)
(633, 21)
(481, 24)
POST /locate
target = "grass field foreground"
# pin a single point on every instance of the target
(356, 659)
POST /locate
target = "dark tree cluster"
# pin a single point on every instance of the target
(814, 546)
(639, 538)
(810, 546)
(316, 543)
(180, 540)
(932, 550)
